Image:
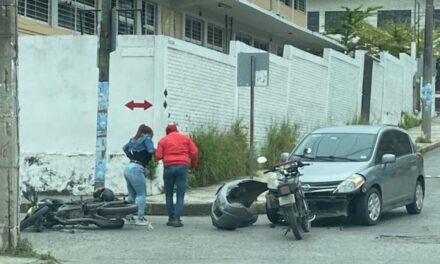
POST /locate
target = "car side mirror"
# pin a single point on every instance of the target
(388, 158)
(284, 156)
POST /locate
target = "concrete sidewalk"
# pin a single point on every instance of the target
(198, 201)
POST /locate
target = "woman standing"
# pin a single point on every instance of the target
(139, 150)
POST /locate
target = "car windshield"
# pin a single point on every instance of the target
(337, 147)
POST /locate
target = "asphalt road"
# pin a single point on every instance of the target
(398, 238)
(432, 163)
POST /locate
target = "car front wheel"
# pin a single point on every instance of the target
(416, 206)
(369, 207)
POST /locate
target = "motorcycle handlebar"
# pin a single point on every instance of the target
(298, 162)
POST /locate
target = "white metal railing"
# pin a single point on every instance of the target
(36, 9)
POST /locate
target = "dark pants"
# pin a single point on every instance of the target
(175, 175)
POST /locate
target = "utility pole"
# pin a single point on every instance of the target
(104, 48)
(9, 147)
(427, 72)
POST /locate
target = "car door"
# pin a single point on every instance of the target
(387, 173)
(407, 163)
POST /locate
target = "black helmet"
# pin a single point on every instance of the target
(104, 195)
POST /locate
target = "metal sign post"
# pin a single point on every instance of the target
(253, 70)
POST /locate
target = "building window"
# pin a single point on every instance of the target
(246, 39)
(333, 20)
(215, 37)
(78, 15)
(149, 18)
(126, 17)
(262, 45)
(393, 16)
(313, 21)
(437, 18)
(37, 9)
(287, 2)
(194, 30)
(300, 5)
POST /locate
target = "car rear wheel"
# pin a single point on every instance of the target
(369, 207)
(417, 205)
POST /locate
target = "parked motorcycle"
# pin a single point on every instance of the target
(103, 211)
(285, 202)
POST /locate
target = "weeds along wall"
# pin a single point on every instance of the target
(187, 84)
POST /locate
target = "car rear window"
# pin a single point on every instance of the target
(337, 146)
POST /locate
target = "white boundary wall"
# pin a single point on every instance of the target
(58, 82)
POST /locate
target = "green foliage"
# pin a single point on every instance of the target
(408, 121)
(358, 121)
(356, 34)
(152, 166)
(24, 249)
(352, 19)
(279, 138)
(223, 155)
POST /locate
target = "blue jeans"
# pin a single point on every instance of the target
(136, 185)
(175, 175)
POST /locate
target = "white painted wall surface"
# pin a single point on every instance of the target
(58, 98)
(58, 81)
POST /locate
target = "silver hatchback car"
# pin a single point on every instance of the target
(361, 171)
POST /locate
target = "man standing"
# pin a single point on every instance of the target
(179, 154)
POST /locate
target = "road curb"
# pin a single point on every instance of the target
(429, 147)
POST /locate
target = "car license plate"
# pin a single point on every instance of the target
(288, 199)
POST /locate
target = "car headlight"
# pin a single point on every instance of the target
(351, 184)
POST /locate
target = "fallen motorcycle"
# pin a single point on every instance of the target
(103, 211)
(285, 202)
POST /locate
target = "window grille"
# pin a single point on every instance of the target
(149, 18)
(262, 45)
(126, 24)
(394, 16)
(300, 5)
(194, 30)
(333, 20)
(72, 13)
(36, 9)
(246, 39)
(313, 21)
(215, 37)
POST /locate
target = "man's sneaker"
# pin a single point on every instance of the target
(143, 222)
(170, 223)
(129, 220)
(177, 223)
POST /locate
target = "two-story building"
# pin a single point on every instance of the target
(264, 24)
(322, 15)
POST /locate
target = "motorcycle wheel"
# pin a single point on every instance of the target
(291, 216)
(30, 220)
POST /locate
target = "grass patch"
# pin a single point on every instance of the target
(423, 140)
(223, 154)
(408, 121)
(24, 249)
(279, 138)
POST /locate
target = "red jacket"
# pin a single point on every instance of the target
(177, 149)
